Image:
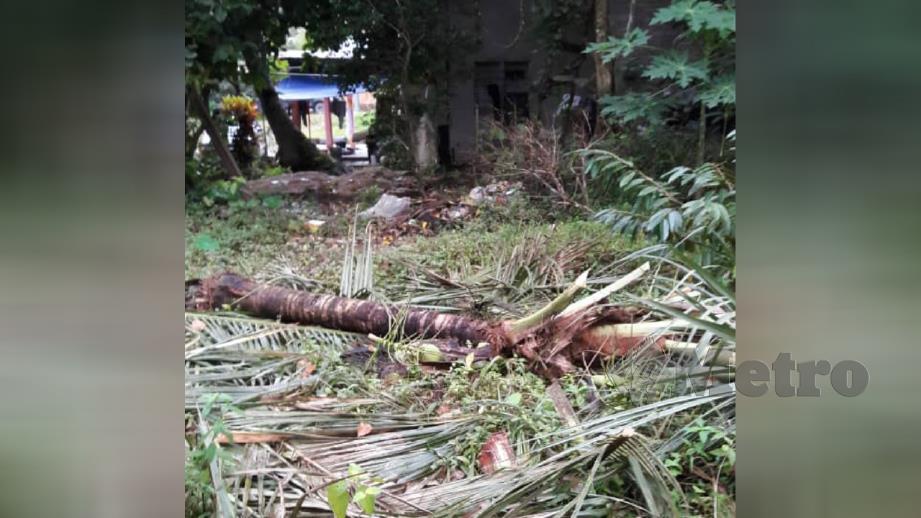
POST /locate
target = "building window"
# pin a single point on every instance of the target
(501, 89)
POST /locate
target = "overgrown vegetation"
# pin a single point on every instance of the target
(428, 426)
(678, 80)
(693, 207)
(295, 420)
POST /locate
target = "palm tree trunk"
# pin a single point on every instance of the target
(552, 341)
(358, 316)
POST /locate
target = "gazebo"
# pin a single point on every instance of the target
(297, 87)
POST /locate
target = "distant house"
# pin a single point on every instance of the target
(508, 80)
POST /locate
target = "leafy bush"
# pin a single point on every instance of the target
(701, 72)
(223, 191)
(204, 452)
(705, 450)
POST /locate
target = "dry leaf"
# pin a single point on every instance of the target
(251, 437)
(315, 403)
(307, 367)
(364, 429)
(496, 454)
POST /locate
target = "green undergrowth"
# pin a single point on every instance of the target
(256, 236)
(241, 238)
(475, 245)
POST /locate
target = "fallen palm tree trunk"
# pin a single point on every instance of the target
(344, 314)
(554, 339)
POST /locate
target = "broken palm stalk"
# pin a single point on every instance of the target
(722, 357)
(554, 338)
(557, 305)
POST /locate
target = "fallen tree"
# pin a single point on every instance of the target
(555, 338)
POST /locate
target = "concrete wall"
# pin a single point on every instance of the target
(503, 36)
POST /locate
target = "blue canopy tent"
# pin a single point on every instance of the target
(304, 87)
(307, 87)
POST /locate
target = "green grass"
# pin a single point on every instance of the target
(479, 246)
(243, 239)
(248, 236)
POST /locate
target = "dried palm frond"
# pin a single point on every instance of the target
(571, 452)
(250, 359)
(215, 331)
(301, 444)
(356, 278)
(283, 272)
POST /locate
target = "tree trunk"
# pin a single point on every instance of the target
(553, 342)
(702, 135)
(602, 70)
(358, 316)
(618, 87)
(217, 140)
(294, 150)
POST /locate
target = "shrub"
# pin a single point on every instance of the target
(533, 153)
(692, 207)
(698, 73)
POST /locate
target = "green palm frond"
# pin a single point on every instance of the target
(619, 47)
(356, 277)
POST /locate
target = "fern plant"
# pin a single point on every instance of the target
(691, 206)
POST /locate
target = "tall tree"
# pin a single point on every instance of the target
(222, 33)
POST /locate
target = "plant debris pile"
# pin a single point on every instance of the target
(411, 404)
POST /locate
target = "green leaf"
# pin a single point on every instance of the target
(722, 91)
(272, 202)
(634, 107)
(205, 243)
(676, 12)
(222, 53)
(366, 498)
(338, 496)
(355, 470)
(514, 399)
(619, 47)
(676, 66)
(698, 16)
